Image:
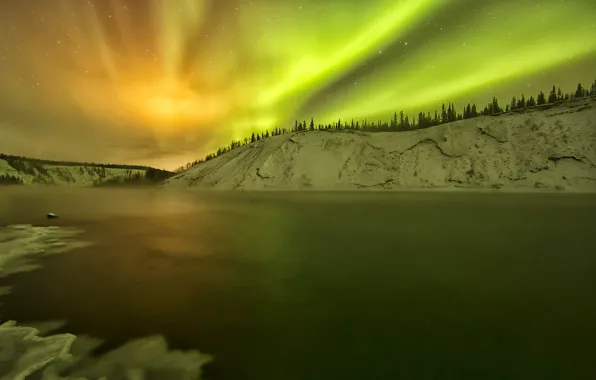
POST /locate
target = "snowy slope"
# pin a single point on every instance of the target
(538, 149)
(65, 175)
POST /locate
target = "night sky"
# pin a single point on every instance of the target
(162, 82)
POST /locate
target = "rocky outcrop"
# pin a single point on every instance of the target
(551, 148)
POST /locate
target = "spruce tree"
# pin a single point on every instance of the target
(495, 106)
(443, 114)
(552, 96)
(522, 102)
(579, 91)
(513, 104)
(312, 124)
(541, 98)
(402, 124)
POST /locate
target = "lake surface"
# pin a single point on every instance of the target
(325, 286)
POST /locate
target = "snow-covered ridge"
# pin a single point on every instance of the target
(29, 171)
(553, 149)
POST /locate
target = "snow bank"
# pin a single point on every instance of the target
(552, 149)
(65, 357)
(23, 352)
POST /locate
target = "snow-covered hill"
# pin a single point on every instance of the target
(536, 149)
(31, 171)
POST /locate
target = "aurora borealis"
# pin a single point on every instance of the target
(163, 82)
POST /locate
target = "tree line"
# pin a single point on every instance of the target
(15, 159)
(34, 168)
(401, 122)
(150, 176)
(7, 179)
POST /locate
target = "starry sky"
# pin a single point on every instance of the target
(163, 82)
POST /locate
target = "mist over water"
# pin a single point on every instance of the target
(323, 285)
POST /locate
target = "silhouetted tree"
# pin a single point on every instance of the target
(521, 103)
(552, 96)
(443, 114)
(6, 179)
(495, 106)
(541, 98)
(580, 91)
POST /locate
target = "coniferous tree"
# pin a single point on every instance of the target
(402, 123)
(579, 91)
(253, 138)
(513, 104)
(521, 102)
(495, 106)
(443, 114)
(267, 134)
(541, 98)
(531, 102)
(312, 124)
(507, 108)
(474, 110)
(552, 96)
(406, 123)
(453, 113)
